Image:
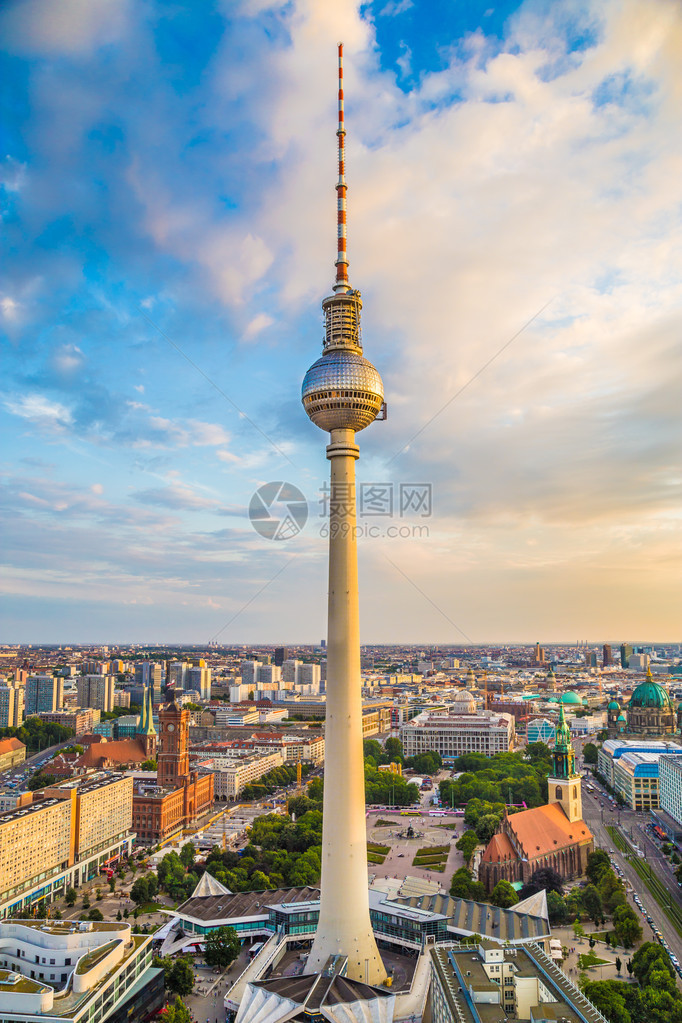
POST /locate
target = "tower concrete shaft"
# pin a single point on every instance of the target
(344, 927)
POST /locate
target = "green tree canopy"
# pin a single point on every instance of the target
(503, 895)
(627, 926)
(597, 863)
(222, 947)
(590, 753)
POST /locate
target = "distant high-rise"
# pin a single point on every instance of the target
(281, 655)
(538, 654)
(96, 691)
(43, 693)
(343, 393)
(149, 673)
(607, 656)
(626, 652)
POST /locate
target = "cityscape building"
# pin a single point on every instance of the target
(60, 836)
(43, 693)
(12, 753)
(342, 393)
(458, 729)
(76, 972)
(554, 835)
(96, 691)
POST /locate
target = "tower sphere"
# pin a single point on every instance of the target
(342, 391)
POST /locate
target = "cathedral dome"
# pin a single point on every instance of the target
(650, 694)
(614, 705)
(570, 698)
(464, 703)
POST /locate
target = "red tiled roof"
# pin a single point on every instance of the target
(7, 745)
(546, 829)
(499, 848)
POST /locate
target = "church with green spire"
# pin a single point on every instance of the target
(564, 783)
(145, 729)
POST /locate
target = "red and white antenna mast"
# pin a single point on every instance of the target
(341, 190)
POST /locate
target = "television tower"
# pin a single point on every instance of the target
(343, 393)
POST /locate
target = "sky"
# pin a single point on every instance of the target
(169, 223)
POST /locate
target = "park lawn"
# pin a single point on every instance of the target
(587, 960)
(431, 850)
(380, 850)
(375, 858)
(150, 907)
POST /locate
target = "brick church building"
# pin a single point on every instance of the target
(553, 836)
(180, 796)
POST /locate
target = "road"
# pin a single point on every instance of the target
(598, 817)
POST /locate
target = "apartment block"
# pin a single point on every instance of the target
(61, 836)
(96, 691)
(44, 693)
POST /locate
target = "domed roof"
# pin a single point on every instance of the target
(464, 703)
(650, 694)
(621, 717)
(570, 697)
(614, 705)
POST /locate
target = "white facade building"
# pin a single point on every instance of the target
(670, 786)
(459, 729)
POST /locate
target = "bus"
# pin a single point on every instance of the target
(255, 949)
(660, 833)
(410, 813)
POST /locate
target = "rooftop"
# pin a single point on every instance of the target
(243, 904)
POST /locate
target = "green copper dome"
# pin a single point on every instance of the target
(621, 717)
(570, 697)
(614, 705)
(650, 694)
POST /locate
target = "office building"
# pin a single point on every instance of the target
(636, 780)
(281, 655)
(626, 652)
(607, 656)
(61, 836)
(670, 791)
(231, 774)
(460, 728)
(96, 691)
(76, 972)
(81, 721)
(178, 674)
(44, 693)
(200, 680)
(121, 698)
(612, 750)
(540, 730)
(150, 673)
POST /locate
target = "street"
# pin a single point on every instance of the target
(598, 817)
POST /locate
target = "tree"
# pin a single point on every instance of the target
(627, 926)
(222, 947)
(467, 843)
(95, 914)
(176, 1013)
(578, 930)
(591, 901)
(41, 780)
(139, 893)
(556, 908)
(460, 885)
(606, 996)
(629, 966)
(187, 854)
(590, 753)
(503, 895)
(591, 942)
(71, 896)
(619, 964)
(182, 977)
(148, 765)
(393, 750)
(650, 956)
(611, 890)
(597, 865)
(86, 901)
(545, 878)
(486, 826)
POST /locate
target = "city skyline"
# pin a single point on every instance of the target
(169, 226)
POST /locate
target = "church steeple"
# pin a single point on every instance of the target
(564, 782)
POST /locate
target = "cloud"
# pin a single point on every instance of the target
(255, 326)
(71, 27)
(176, 497)
(50, 416)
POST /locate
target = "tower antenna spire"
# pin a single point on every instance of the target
(341, 192)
